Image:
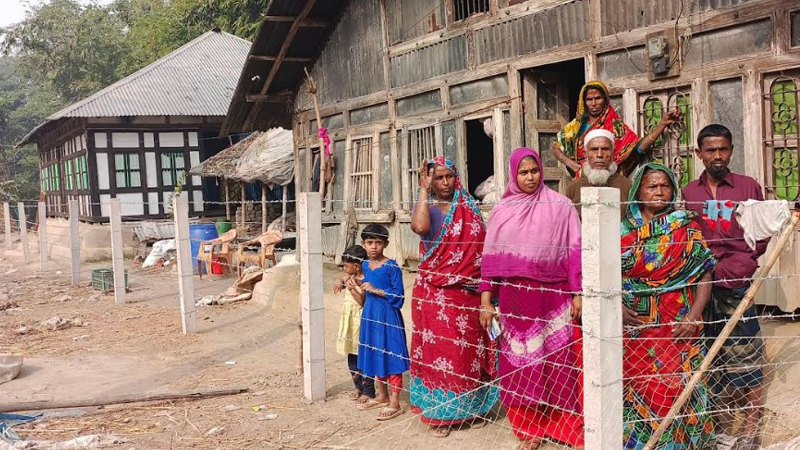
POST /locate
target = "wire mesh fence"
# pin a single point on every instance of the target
(516, 375)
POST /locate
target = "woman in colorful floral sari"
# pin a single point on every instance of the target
(594, 112)
(451, 360)
(666, 274)
(531, 261)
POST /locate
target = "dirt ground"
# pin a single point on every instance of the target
(138, 347)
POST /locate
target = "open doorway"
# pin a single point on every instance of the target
(550, 94)
(480, 154)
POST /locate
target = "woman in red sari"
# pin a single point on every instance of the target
(452, 364)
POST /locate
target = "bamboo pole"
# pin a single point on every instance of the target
(283, 208)
(227, 200)
(120, 399)
(263, 207)
(747, 301)
(312, 89)
(243, 187)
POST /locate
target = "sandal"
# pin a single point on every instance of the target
(392, 413)
(439, 432)
(371, 404)
(363, 399)
(478, 424)
(532, 444)
(747, 443)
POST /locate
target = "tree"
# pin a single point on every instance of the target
(72, 49)
(23, 106)
(65, 50)
(157, 27)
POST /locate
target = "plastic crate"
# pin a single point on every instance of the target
(103, 280)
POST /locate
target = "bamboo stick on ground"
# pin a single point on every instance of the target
(119, 399)
(747, 301)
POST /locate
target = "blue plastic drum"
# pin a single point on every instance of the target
(198, 233)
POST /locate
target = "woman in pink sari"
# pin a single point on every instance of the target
(531, 261)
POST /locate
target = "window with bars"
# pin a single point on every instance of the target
(675, 147)
(68, 180)
(463, 9)
(81, 173)
(55, 178)
(781, 138)
(419, 143)
(172, 169)
(45, 180)
(361, 173)
(127, 169)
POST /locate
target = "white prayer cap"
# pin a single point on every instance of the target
(597, 132)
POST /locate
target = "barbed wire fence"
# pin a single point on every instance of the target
(622, 379)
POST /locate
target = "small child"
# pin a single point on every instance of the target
(382, 353)
(349, 324)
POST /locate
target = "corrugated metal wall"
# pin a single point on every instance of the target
(413, 18)
(626, 15)
(351, 65)
(562, 25)
(427, 62)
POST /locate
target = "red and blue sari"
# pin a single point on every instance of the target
(452, 361)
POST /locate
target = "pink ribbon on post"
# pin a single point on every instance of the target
(323, 134)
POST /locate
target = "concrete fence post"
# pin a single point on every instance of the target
(180, 210)
(7, 220)
(74, 242)
(43, 250)
(602, 318)
(23, 232)
(117, 253)
(309, 228)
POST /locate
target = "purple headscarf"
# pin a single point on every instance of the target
(535, 236)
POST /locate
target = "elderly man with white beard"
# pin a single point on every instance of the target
(599, 169)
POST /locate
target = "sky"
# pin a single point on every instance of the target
(13, 11)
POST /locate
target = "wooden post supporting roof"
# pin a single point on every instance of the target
(227, 199)
(243, 214)
(263, 207)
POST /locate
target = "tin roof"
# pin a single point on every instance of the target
(197, 79)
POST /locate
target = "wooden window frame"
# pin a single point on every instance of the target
(789, 14)
(374, 173)
(788, 141)
(679, 157)
(499, 167)
(69, 181)
(171, 168)
(82, 173)
(451, 11)
(408, 181)
(126, 170)
(55, 177)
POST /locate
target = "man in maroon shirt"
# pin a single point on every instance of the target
(738, 368)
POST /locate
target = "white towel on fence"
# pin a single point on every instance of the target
(761, 219)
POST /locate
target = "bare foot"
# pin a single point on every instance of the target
(363, 399)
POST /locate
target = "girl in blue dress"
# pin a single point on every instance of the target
(382, 353)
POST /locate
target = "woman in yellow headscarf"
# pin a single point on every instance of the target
(594, 112)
